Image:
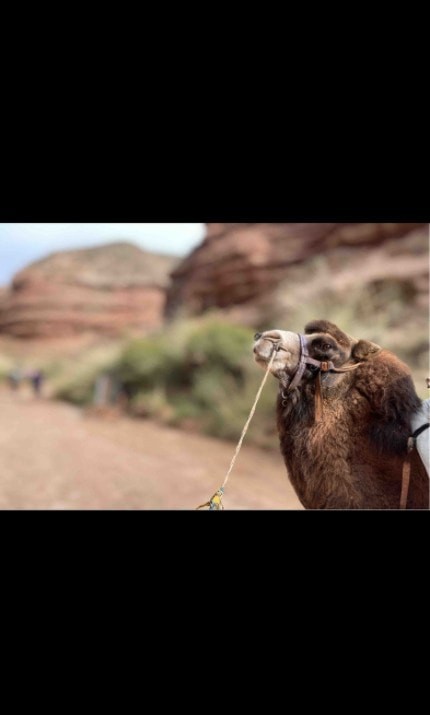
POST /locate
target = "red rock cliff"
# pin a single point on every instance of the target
(239, 264)
(105, 290)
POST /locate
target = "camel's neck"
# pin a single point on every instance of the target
(301, 400)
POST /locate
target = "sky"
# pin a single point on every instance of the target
(23, 243)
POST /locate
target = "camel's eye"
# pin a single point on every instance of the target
(322, 346)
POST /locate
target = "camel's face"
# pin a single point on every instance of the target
(288, 350)
(325, 342)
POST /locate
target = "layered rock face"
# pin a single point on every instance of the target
(372, 279)
(106, 290)
(240, 263)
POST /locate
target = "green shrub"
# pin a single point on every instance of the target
(6, 365)
(79, 393)
(73, 379)
(200, 373)
(152, 404)
(220, 345)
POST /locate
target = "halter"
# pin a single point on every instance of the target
(318, 366)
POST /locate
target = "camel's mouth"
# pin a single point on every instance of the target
(287, 346)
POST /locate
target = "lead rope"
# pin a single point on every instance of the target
(215, 503)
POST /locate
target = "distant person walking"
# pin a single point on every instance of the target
(36, 378)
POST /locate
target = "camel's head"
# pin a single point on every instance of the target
(324, 342)
(287, 346)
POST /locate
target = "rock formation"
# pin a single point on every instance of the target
(373, 278)
(242, 263)
(105, 290)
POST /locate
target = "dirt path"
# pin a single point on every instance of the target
(54, 457)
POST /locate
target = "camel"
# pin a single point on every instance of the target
(344, 414)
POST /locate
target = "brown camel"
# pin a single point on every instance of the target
(344, 412)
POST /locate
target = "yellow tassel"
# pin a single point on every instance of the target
(215, 503)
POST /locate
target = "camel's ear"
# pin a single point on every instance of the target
(365, 350)
(324, 326)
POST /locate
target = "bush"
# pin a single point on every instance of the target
(77, 392)
(220, 345)
(6, 365)
(200, 374)
(148, 363)
(74, 379)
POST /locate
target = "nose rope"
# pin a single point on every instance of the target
(215, 503)
(251, 415)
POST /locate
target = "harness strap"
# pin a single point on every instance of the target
(321, 366)
(406, 478)
(420, 430)
(306, 359)
(319, 406)
(347, 368)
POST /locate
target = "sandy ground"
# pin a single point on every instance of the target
(52, 456)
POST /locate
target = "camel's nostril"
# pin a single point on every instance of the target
(257, 336)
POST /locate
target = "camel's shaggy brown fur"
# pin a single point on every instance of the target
(353, 457)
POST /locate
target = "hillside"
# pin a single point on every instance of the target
(105, 290)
